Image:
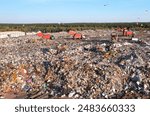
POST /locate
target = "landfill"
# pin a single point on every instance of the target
(64, 68)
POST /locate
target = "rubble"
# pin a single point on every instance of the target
(12, 34)
(96, 68)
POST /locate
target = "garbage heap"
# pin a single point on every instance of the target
(76, 70)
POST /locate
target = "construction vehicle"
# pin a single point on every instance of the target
(127, 32)
(122, 33)
(45, 36)
(39, 34)
(76, 35)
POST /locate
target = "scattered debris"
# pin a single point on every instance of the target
(135, 39)
(31, 67)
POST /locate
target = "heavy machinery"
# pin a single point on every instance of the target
(45, 36)
(76, 35)
(122, 33)
(127, 32)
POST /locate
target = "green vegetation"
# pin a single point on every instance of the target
(68, 26)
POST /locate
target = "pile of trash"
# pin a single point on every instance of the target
(82, 69)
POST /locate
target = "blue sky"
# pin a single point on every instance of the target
(67, 11)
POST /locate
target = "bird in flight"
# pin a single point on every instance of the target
(106, 4)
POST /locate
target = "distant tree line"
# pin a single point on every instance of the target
(70, 26)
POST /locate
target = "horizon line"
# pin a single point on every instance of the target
(76, 22)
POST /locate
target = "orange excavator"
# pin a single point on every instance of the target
(127, 32)
(121, 32)
(45, 36)
(76, 35)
